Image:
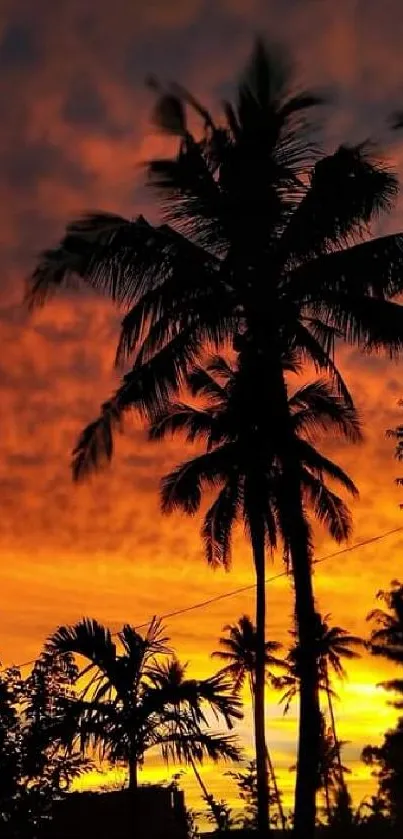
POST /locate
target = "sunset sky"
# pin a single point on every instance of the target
(74, 127)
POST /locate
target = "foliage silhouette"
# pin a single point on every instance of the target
(328, 776)
(387, 635)
(34, 772)
(238, 463)
(263, 241)
(131, 701)
(238, 649)
(332, 645)
(387, 763)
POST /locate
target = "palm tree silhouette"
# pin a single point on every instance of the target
(330, 767)
(263, 241)
(238, 462)
(328, 779)
(131, 701)
(397, 435)
(387, 636)
(239, 651)
(333, 644)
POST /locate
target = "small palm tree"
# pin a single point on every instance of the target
(333, 644)
(239, 463)
(328, 768)
(238, 650)
(397, 435)
(131, 701)
(387, 636)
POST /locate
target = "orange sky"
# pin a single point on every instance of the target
(74, 128)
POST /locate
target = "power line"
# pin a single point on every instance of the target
(251, 586)
(208, 602)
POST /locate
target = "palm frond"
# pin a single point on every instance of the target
(169, 114)
(320, 465)
(188, 282)
(395, 686)
(95, 445)
(348, 189)
(185, 747)
(87, 638)
(147, 388)
(271, 113)
(329, 508)
(217, 693)
(202, 383)
(181, 418)
(190, 196)
(372, 323)
(371, 268)
(388, 651)
(219, 522)
(112, 254)
(182, 488)
(318, 406)
(314, 347)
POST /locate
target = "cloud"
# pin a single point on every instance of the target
(75, 128)
(18, 49)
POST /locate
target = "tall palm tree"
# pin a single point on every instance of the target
(238, 649)
(238, 461)
(263, 241)
(333, 644)
(387, 635)
(131, 701)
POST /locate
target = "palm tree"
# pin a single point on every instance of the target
(331, 768)
(238, 461)
(387, 636)
(328, 769)
(397, 435)
(263, 242)
(131, 701)
(238, 650)
(333, 644)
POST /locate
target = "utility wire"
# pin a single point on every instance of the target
(208, 602)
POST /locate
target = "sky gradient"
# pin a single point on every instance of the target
(75, 130)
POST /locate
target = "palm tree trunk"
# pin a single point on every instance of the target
(294, 526)
(258, 546)
(271, 772)
(133, 779)
(309, 715)
(296, 531)
(133, 788)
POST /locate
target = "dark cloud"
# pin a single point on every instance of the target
(84, 106)
(74, 116)
(19, 49)
(25, 166)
